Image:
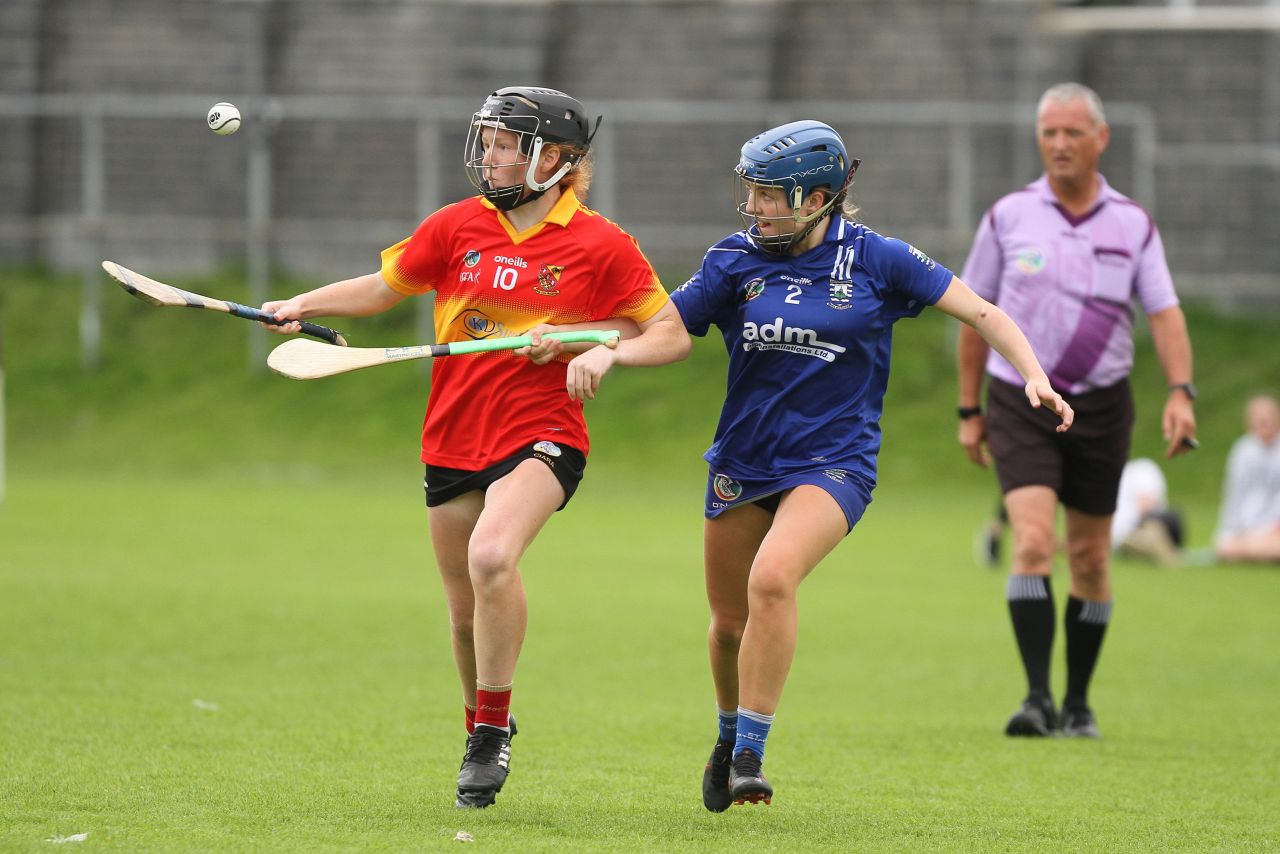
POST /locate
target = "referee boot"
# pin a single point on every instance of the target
(1078, 721)
(715, 779)
(747, 784)
(484, 766)
(1035, 718)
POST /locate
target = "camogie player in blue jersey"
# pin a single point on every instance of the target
(805, 298)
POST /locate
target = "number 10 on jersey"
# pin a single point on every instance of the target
(505, 278)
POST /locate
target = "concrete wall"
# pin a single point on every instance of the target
(342, 189)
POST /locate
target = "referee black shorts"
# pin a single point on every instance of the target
(567, 464)
(1082, 465)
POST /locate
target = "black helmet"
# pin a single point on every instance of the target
(537, 116)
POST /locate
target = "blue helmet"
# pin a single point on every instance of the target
(799, 158)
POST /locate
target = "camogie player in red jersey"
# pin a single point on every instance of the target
(504, 440)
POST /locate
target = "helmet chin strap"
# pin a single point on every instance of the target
(536, 187)
(530, 176)
(777, 246)
(817, 216)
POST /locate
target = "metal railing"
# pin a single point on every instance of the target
(434, 118)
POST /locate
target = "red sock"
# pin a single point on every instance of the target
(471, 719)
(493, 708)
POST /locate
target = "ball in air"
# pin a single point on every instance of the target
(224, 118)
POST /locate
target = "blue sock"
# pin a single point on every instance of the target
(728, 724)
(753, 729)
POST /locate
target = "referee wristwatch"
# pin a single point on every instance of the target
(967, 412)
(1188, 388)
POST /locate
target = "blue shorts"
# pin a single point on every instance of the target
(850, 490)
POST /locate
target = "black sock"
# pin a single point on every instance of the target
(1031, 610)
(1085, 624)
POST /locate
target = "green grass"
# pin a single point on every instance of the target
(312, 620)
(179, 529)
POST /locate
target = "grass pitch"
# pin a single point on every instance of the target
(219, 666)
(221, 630)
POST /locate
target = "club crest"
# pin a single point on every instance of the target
(1030, 261)
(754, 288)
(548, 278)
(841, 295)
(471, 259)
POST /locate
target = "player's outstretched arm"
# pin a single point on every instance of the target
(543, 351)
(358, 297)
(662, 339)
(1004, 335)
(971, 360)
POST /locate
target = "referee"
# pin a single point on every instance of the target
(1065, 257)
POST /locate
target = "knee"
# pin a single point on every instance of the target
(462, 626)
(490, 564)
(1089, 561)
(726, 630)
(769, 586)
(1033, 547)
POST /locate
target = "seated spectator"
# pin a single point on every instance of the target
(1144, 525)
(1249, 527)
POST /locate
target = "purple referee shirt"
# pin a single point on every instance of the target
(1069, 282)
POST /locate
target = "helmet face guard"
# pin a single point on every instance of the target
(797, 159)
(536, 117)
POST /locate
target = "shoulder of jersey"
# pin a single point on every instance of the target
(1128, 207)
(461, 210)
(736, 242)
(862, 237)
(1017, 199)
(1011, 206)
(588, 218)
(730, 250)
(857, 230)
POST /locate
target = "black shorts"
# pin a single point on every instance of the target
(567, 464)
(1082, 465)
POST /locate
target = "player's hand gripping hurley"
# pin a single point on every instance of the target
(158, 293)
(300, 359)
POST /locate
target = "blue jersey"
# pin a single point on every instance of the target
(808, 339)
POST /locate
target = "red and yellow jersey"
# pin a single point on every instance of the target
(493, 281)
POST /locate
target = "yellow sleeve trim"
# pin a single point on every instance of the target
(391, 270)
(652, 305)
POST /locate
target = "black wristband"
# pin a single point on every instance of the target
(968, 411)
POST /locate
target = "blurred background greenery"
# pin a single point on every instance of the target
(176, 395)
(219, 626)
